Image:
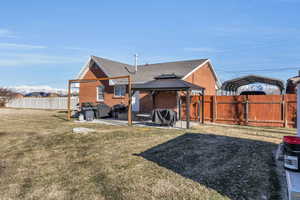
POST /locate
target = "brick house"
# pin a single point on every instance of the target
(199, 72)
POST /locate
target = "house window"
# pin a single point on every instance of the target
(119, 90)
(100, 93)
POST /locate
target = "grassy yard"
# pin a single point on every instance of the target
(40, 158)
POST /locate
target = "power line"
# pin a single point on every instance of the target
(261, 70)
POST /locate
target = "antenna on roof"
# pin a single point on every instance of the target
(135, 61)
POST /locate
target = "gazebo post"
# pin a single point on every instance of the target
(178, 104)
(188, 104)
(153, 99)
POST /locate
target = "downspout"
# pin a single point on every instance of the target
(298, 109)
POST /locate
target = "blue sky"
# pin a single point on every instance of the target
(47, 42)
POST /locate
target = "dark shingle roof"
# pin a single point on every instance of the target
(166, 84)
(112, 68)
(180, 68)
(147, 72)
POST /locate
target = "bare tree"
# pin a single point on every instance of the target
(5, 96)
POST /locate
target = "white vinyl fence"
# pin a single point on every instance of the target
(55, 103)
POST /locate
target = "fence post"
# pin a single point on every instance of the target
(199, 110)
(214, 106)
(284, 110)
(247, 111)
(203, 107)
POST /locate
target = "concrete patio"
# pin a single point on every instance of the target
(110, 121)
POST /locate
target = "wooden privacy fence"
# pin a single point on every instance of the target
(253, 110)
(54, 103)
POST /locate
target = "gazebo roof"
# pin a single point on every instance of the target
(234, 84)
(166, 82)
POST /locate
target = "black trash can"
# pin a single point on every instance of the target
(88, 112)
(89, 115)
(291, 151)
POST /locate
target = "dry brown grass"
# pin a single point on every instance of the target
(40, 158)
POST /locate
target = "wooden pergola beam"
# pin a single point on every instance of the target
(100, 79)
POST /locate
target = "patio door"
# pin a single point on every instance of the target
(136, 101)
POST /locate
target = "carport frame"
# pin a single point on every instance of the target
(231, 86)
(128, 77)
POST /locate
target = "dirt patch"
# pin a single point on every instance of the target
(232, 166)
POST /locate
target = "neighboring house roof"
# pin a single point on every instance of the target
(37, 94)
(53, 94)
(295, 80)
(146, 72)
(19, 95)
(292, 83)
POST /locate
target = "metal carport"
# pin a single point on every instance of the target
(233, 84)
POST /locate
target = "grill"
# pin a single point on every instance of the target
(291, 153)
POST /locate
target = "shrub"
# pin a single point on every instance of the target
(5, 96)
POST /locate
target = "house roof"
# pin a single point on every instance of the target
(180, 68)
(167, 82)
(146, 72)
(234, 84)
(112, 68)
(295, 80)
(37, 94)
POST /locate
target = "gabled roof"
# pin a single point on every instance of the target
(109, 67)
(146, 72)
(180, 68)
